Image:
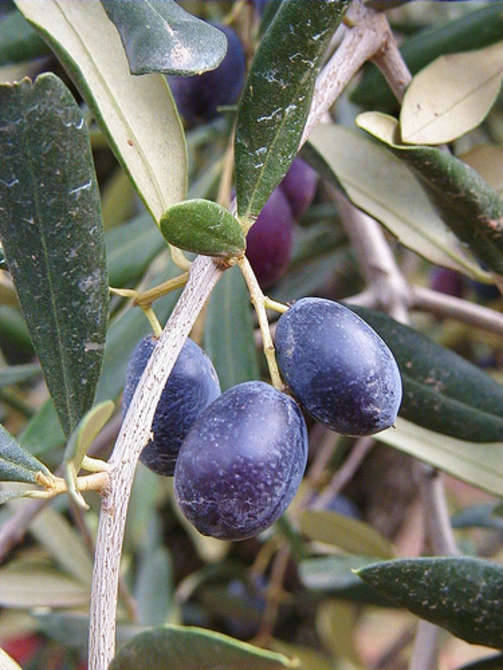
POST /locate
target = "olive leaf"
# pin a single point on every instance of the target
(463, 595)
(17, 464)
(191, 648)
(466, 203)
(204, 227)
(277, 96)
(160, 36)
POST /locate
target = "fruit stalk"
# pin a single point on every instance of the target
(258, 301)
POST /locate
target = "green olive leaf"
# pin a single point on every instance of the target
(463, 595)
(369, 175)
(277, 96)
(441, 390)
(204, 227)
(228, 331)
(86, 431)
(190, 648)
(52, 235)
(160, 36)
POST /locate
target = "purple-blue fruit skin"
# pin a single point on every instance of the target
(198, 97)
(242, 462)
(192, 385)
(299, 185)
(269, 240)
(338, 367)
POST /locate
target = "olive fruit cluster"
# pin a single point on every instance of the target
(338, 367)
(269, 240)
(237, 458)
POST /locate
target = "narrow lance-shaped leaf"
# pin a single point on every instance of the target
(88, 428)
(494, 662)
(16, 464)
(477, 463)
(463, 595)
(368, 174)
(466, 203)
(277, 97)
(204, 227)
(51, 231)
(441, 390)
(349, 534)
(160, 36)
(190, 648)
(137, 114)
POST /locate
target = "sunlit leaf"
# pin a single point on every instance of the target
(466, 203)
(137, 114)
(385, 188)
(349, 534)
(26, 585)
(86, 431)
(473, 30)
(451, 96)
(480, 464)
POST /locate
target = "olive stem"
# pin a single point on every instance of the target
(275, 305)
(134, 433)
(146, 298)
(345, 473)
(97, 481)
(258, 302)
(153, 320)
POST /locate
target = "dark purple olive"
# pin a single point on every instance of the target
(242, 462)
(192, 385)
(338, 367)
(269, 240)
(199, 96)
(299, 185)
(447, 281)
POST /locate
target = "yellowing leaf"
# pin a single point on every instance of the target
(451, 96)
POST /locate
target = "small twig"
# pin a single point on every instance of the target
(436, 514)
(14, 529)
(273, 596)
(449, 306)
(382, 274)
(258, 302)
(345, 473)
(369, 33)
